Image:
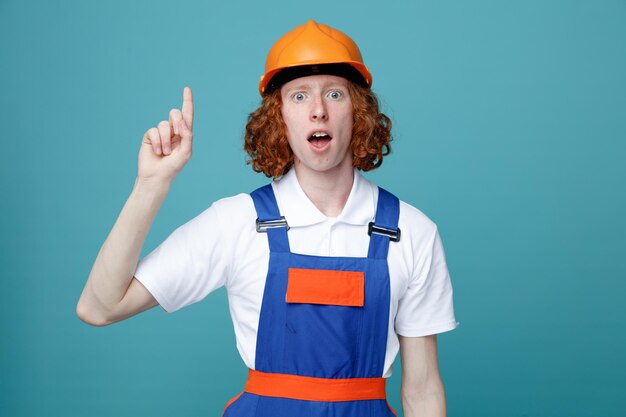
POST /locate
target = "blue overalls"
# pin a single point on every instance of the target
(323, 323)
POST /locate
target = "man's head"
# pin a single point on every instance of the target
(315, 83)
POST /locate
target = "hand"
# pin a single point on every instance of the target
(165, 149)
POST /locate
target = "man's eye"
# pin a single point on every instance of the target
(335, 95)
(299, 96)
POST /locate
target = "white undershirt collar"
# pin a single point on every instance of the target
(300, 211)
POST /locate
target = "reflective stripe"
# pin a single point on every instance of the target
(315, 389)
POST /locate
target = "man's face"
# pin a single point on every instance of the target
(318, 113)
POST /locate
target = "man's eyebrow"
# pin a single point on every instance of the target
(335, 85)
(299, 87)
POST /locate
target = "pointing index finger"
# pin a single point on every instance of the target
(187, 110)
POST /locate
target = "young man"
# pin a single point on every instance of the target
(328, 276)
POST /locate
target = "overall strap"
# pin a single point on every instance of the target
(385, 226)
(269, 219)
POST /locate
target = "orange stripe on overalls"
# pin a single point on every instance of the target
(315, 389)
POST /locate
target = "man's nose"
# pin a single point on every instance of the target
(318, 110)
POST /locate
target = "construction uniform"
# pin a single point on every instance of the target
(317, 309)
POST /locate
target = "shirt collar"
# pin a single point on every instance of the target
(300, 211)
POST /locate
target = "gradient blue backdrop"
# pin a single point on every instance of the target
(510, 128)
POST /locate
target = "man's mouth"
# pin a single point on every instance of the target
(319, 139)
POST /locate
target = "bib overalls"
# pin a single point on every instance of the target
(323, 324)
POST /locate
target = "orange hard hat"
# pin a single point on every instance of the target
(313, 48)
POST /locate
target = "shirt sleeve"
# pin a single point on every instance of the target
(426, 307)
(191, 263)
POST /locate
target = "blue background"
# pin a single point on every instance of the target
(510, 128)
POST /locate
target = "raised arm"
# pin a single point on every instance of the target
(112, 293)
(422, 390)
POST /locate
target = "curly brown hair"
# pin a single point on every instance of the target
(265, 138)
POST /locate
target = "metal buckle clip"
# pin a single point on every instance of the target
(262, 226)
(394, 235)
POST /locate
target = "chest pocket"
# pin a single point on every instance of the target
(325, 287)
(324, 319)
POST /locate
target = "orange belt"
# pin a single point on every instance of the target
(315, 389)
